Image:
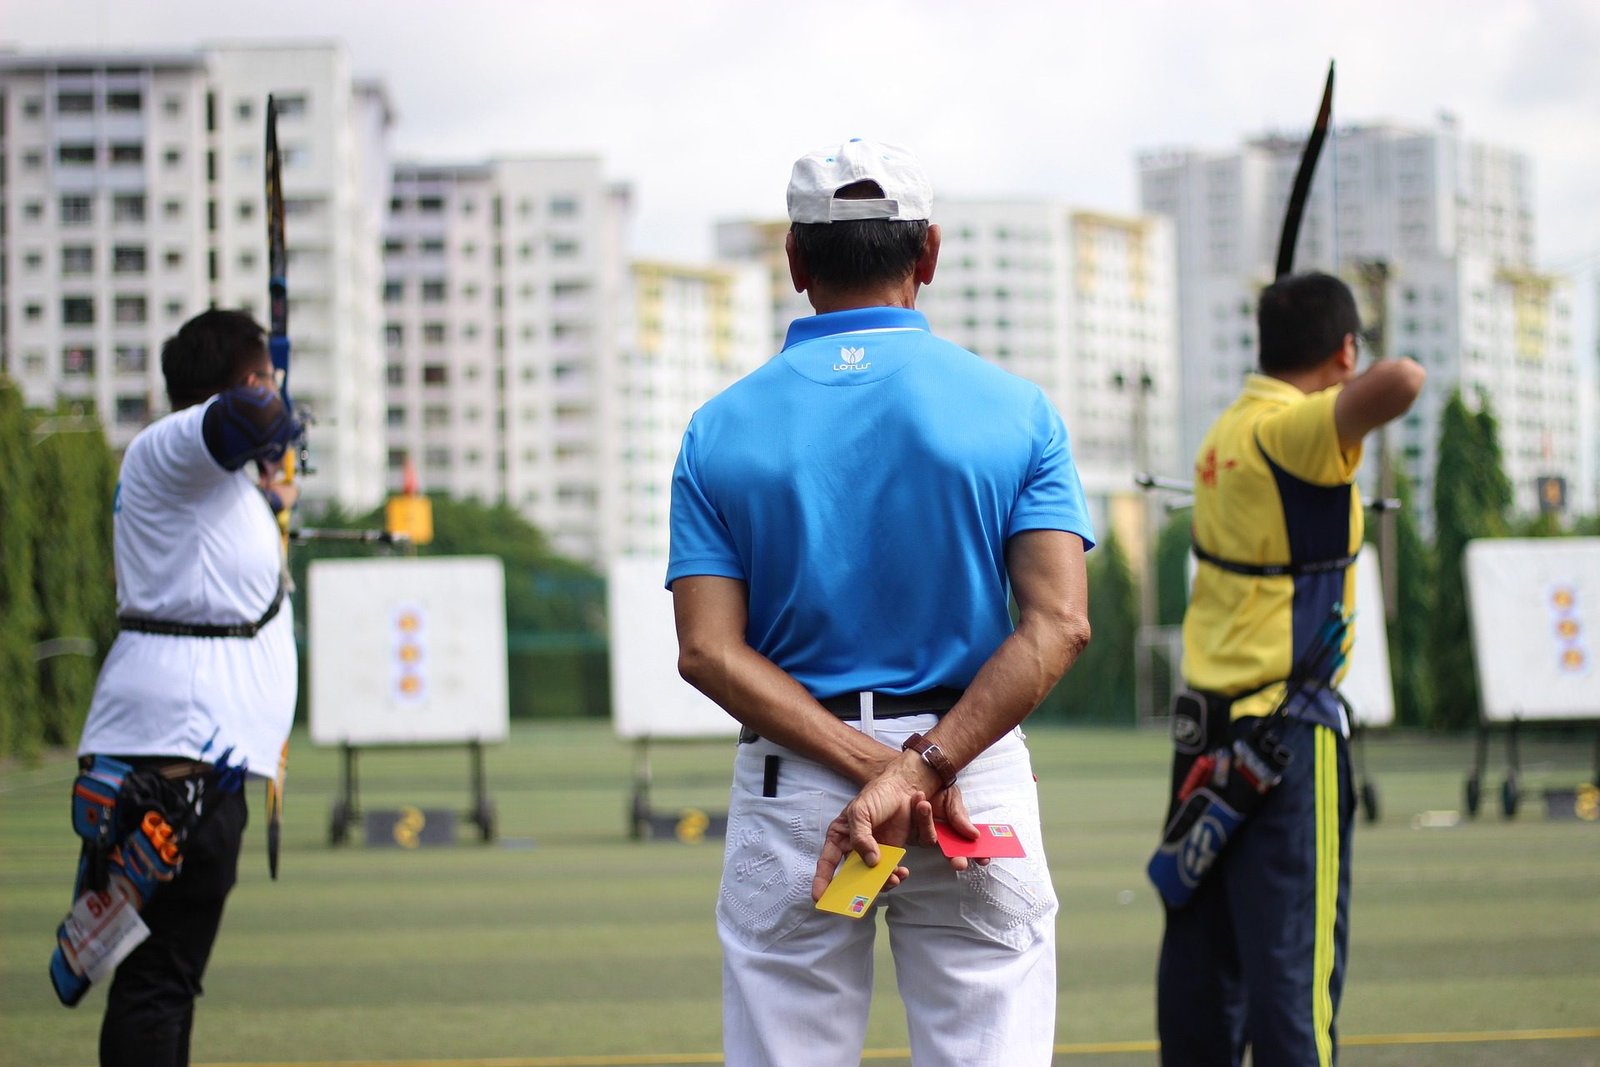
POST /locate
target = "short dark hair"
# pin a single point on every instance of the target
(208, 354)
(861, 251)
(1302, 320)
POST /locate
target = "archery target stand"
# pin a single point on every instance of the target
(650, 701)
(408, 653)
(1534, 608)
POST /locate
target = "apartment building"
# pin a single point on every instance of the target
(1434, 231)
(502, 281)
(689, 332)
(132, 192)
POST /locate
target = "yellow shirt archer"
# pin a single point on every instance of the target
(1273, 487)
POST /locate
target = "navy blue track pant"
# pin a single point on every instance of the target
(1257, 957)
(150, 1008)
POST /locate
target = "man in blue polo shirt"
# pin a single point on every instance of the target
(849, 523)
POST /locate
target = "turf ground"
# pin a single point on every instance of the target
(566, 943)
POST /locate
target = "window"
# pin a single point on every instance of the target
(563, 248)
(431, 246)
(394, 335)
(433, 291)
(435, 374)
(172, 210)
(430, 205)
(125, 102)
(247, 260)
(172, 106)
(393, 247)
(175, 309)
(436, 415)
(133, 410)
(395, 417)
(172, 157)
(127, 207)
(32, 159)
(563, 207)
(394, 292)
(33, 260)
(32, 107)
(125, 154)
(33, 312)
(244, 109)
(33, 211)
(247, 210)
(77, 311)
(77, 259)
(290, 107)
(436, 456)
(433, 333)
(75, 155)
(130, 309)
(174, 258)
(77, 359)
(74, 103)
(128, 259)
(132, 359)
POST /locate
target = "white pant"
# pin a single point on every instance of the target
(974, 952)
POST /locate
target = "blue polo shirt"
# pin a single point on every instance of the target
(863, 484)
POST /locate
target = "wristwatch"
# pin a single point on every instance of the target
(933, 756)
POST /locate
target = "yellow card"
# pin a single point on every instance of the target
(855, 885)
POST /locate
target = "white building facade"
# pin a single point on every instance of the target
(502, 285)
(134, 198)
(690, 331)
(1435, 234)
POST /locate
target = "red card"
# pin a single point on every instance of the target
(996, 840)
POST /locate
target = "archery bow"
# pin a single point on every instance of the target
(1302, 180)
(278, 348)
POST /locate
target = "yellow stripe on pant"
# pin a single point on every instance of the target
(1326, 778)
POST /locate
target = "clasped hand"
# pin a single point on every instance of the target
(894, 809)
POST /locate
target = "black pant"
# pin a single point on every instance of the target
(150, 1009)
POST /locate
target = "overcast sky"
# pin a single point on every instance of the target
(701, 105)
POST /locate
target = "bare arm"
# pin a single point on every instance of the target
(1052, 592)
(714, 657)
(1381, 393)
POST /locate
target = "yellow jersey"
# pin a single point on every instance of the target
(1273, 488)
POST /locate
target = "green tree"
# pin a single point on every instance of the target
(19, 604)
(74, 575)
(1100, 686)
(1408, 634)
(1471, 497)
(1172, 568)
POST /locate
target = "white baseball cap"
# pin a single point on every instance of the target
(907, 194)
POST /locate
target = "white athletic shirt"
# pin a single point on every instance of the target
(194, 543)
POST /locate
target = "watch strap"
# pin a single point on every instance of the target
(933, 756)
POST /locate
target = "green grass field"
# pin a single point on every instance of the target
(566, 943)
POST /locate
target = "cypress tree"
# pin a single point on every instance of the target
(73, 571)
(19, 607)
(1471, 496)
(1408, 634)
(1172, 565)
(1100, 686)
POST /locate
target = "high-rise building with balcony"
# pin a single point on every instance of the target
(502, 284)
(1436, 235)
(690, 330)
(132, 192)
